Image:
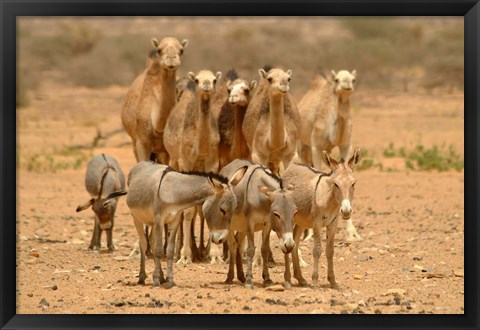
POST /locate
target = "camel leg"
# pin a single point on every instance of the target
(352, 234)
(265, 255)
(110, 245)
(317, 157)
(297, 273)
(143, 150)
(158, 277)
(331, 230)
(186, 252)
(305, 153)
(142, 247)
(250, 254)
(232, 247)
(317, 250)
(173, 227)
(287, 275)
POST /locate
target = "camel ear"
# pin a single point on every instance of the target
(289, 72)
(237, 176)
(229, 85)
(262, 73)
(155, 42)
(191, 76)
(85, 205)
(330, 162)
(266, 191)
(291, 187)
(354, 73)
(218, 75)
(253, 84)
(334, 74)
(184, 43)
(217, 186)
(355, 160)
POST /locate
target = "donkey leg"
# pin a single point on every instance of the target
(287, 275)
(142, 245)
(95, 242)
(232, 247)
(173, 228)
(297, 273)
(257, 258)
(186, 252)
(240, 237)
(317, 251)
(157, 253)
(110, 245)
(250, 254)
(331, 230)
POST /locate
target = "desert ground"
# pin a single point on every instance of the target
(410, 261)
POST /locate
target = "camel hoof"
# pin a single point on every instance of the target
(217, 260)
(267, 283)
(257, 262)
(354, 238)
(303, 264)
(184, 260)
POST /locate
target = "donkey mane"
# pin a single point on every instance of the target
(270, 174)
(314, 170)
(211, 175)
(232, 74)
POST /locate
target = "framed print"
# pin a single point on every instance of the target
(251, 124)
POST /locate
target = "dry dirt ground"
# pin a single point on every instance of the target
(411, 260)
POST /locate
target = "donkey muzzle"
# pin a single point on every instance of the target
(346, 209)
(287, 243)
(105, 225)
(219, 236)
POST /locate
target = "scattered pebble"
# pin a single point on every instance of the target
(54, 287)
(44, 302)
(358, 277)
(277, 288)
(458, 272)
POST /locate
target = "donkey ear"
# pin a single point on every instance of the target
(253, 84)
(85, 205)
(184, 43)
(237, 176)
(217, 186)
(330, 162)
(355, 160)
(155, 42)
(191, 76)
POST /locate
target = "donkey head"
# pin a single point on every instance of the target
(282, 211)
(104, 210)
(342, 181)
(219, 208)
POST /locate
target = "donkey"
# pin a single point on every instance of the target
(104, 176)
(262, 204)
(157, 195)
(320, 198)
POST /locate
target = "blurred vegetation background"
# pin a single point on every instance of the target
(404, 54)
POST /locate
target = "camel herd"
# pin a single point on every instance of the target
(241, 156)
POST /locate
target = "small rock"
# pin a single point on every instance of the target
(34, 254)
(147, 295)
(96, 267)
(30, 294)
(418, 267)
(109, 286)
(246, 308)
(417, 258)
(44, 302)
(54, 287)
(395, 292)
(362, 303)
(121, 258)
(77, 241)
(118, 303)
(318, 311)
(341, 259)
(277, 287)
(458, 272)
(199, 296)
(358, 277)
(377, 311)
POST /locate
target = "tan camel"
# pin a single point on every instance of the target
(230, 103)
(151, 98)
(326, 123)
(272, 122)
(191, 139)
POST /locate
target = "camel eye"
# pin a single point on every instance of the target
(353, 81)
(269, 79)
(214, 81)
(289, 79)
(181, 51)
(336, 80)
(159, 51)
(196, 80)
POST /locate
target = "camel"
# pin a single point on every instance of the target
(320, 199)
(272, 123)
(191, 139)
(326, 123)
(230, 104)
(151, 98)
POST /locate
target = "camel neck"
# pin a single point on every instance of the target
(239, 144)
(277, 121)
(343, 106)
(204, 126)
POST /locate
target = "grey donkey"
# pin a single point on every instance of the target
(262, 204)
(104, 176)
(157, 195)
(321, 198)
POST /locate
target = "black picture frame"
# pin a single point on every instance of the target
(10, 10)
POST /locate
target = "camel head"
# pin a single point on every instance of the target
(239, 91)
(169, 51)
(205, 82)
(278, 79)
(344, 82)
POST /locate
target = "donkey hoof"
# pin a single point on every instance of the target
(169, 284)
(141, 281)
(287, 285)
(241, 278)
(334, 285)
(111, 248)
(94, 247)
(228, 281)
(302, 282)
(248, 286)
(156, 282)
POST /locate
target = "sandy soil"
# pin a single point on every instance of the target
(410, 261)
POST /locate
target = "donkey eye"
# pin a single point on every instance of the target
(224, 212)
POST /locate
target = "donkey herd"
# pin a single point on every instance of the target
(239, 155)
